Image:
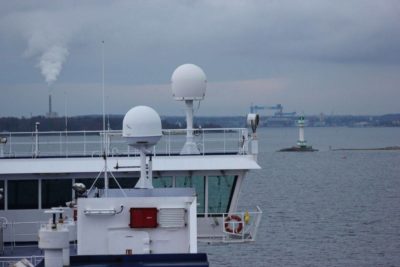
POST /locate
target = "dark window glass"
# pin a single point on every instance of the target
(88, 182)
(162, 182)
(2, 195)
(56, 193)
(123, 182)
(220, 191)
(23, 194)
(196, 182)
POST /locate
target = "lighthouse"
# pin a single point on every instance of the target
(302, 143)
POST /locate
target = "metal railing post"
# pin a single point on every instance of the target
(10, 142)
(60, 140)
(37, 139)
(66, 144)
(204, 144)
(224, 141)
(84, 143)
(169, 143)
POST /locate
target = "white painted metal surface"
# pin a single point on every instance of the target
(141, 126)
(97, 234)
(104, 224)
(189, 82)
(94, 165)
(54, 240)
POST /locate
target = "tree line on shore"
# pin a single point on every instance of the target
(86, 123)
(114, 122)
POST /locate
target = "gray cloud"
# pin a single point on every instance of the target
(307, 44)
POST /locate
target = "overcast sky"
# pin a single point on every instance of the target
(340, 57)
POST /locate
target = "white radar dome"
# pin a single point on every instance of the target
(189, 82)
(141, 127)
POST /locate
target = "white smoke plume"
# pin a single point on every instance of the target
(51, 62)
(48, 33)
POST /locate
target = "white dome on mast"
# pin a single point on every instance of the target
(189, 82)
(141, 127)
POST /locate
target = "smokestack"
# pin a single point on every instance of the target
(51, 113)
(50, 109)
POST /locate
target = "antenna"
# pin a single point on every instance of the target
(65, 110)
(105, 145)
(66, 121)
(141, 129)
(105, 142)
(102, 84)
(189, 83)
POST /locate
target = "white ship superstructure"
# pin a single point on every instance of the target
(39, 169)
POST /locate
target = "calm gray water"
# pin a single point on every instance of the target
(327, 208)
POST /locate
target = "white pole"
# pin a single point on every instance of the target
(189, 120)
(142, 179)
(105, 145)
(150, 173)
(65, 111)
(66, 122)
(190, 147)
(36, 139)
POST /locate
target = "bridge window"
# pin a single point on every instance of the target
(88, 182)
(128, 182)
(23, 194)
(162, 182)
(196, 182)
(56, 193)
(220, 191)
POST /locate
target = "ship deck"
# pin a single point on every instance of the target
(33, 254)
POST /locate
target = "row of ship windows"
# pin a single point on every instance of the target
(24, 194)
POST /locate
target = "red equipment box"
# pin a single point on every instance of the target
(143, 218)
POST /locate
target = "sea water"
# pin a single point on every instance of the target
(326, 208)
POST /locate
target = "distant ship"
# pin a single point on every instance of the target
(279, 119)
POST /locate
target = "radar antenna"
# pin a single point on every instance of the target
(189, 83)
(141, 129)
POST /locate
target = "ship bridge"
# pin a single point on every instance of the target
(38, 169)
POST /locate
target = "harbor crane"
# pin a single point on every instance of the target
(278, 107)
(256, 108)
(279, 111)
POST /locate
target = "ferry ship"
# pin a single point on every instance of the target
(38, 171)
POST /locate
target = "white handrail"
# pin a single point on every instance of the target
(84, 143)
(247, 232)
(9, 261)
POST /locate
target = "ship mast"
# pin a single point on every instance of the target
(105, 145)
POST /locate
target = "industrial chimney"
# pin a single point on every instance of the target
(51, 114)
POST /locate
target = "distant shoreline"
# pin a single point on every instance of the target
(95, 122)
(368, 149)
